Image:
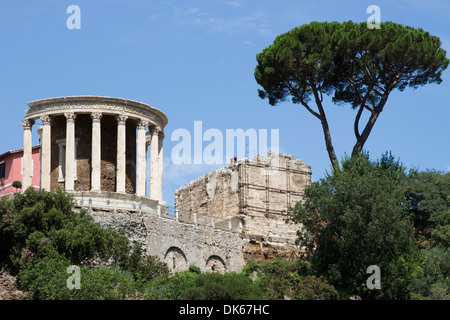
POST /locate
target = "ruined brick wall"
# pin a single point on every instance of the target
(269, 186)
(215, 194)
(181, 244)
(133, 224)
(262, 189)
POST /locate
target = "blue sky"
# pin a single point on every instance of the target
(194, 60)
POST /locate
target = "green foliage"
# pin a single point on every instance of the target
(37, 224)
(195, 285)
(194, 269)
(428, 193)
(274, 277)
(361, 214)
(228, 286)
(46, 279)
(350, 63)
(144, 269)
(281, 279)
(434, 280)
(357, 217)
(41, 236)
(167, 287)
(312, 288)
(17, 184)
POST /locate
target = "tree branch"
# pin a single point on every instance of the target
(310, 110)
(326, 130)
(369, 125)
(299, 96)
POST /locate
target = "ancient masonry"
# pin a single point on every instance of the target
(96, 149)
(257, 193)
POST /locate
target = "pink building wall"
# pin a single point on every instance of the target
(13, 170)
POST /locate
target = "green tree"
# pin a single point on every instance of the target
(274, 276)
(144, 269)
(46, 279)
(17, 184)
(166, 287)
(312, 288)
(37, 224)
(434, 280)
(428, 193)
(356, 217)
(292, 279)
(217, 286)
(352, 64)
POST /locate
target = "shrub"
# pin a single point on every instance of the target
(46, 279)
(275, 277)
(44, 224)
(217, 286)
(312, 288)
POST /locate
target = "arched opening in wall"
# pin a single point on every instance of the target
(176, 259)
(215, 264)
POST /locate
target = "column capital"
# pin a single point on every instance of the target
(121, 118)
(154, 130)
(70, 116)
(161, 134)
(96, 116)
(27, 123)
(46, 119)
(142, 124)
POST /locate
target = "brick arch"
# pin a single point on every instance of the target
(216, 264)
(176, 259)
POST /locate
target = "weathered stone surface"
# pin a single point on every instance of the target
(181, 244)
(8, 287)
(132, 223)
(261, 189)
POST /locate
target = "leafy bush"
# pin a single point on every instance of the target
(312, 288)
(165, 287)
(358, 216)
(195, 285)
(38, 224)
(282, 279)
(40, 236)
(47, 279)
(217, 286)
(434, 280)
(17, 184)
(144, 269)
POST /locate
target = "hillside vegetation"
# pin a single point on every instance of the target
(365, 213)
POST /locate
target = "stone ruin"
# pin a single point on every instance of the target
(96, 149)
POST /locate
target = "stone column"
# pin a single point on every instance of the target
(70, 151)
(96, 152)
(121, 155)
(141, 165)
(154, 164)
(161, 164)
(27, 165)
(45, 153)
